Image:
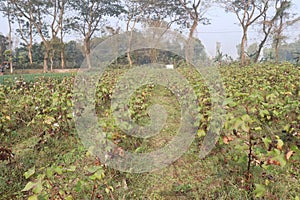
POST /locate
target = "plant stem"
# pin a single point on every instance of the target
(94, 190)
(249, 157)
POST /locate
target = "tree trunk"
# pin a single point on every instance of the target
(30, 42)
(193, 28)
(129, 46)
(129, 41)
(277, 51)
(24, 38)
(51, 62)
(258, 52)
(189, 52)
(62, 57)
(88, 60)
(129, 59)
(278, 36)
(46, 61)
(153, 55)
(62, 52)
(261, 45)
(29, 47)
(10, 41)
(243, 44)
(87, 52)
(51, 56)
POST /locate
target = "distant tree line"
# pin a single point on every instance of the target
(50, 21)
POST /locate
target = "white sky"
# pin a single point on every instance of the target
(223, 29)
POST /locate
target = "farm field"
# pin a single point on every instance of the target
(257, 155)
(30, 77)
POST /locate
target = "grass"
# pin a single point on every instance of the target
(9, 79)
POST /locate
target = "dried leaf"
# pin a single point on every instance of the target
(289, 154)
(227, 139)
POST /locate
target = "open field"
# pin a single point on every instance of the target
(257, 155)
(31, 77)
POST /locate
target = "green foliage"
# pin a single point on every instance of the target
(288, 52)
(3, 47)
(50, 163)
(267, 108)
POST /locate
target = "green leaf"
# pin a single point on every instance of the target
(33, 197)
(98, 175)
(30, 172)
(58, 170)
(40, 177)
(28, 186)
(263, 113)
(242, 159)
(201, 133)
(230, 102)
(69, 197)
(93, 169)
(246, 118)
(281, 159)
(295, 149)
(139, 150)
(49, 120)
(287, 128)
(258, 128)
(267, 142)
(238, 122)
(260, 190)
(245, 128)
(280, 143)
(71, 169)
(108, 189)
(38, 188)
(80, 186)
(69, 115)
(49, 173)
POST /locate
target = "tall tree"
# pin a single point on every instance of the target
(3, 47)
(26, 31)
(285, 19)
(153, 13)
(34, 11)
(56, 9)
(247, 13)
(196, 10)
(7, 10)
(89, 17)
(132, 17)
(273, 13)
(74, 55)
(46, 17)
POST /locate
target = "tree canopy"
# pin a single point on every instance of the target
(44, 25)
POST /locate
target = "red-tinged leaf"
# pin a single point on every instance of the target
(227, 139)
(97, 161)
(273, 162)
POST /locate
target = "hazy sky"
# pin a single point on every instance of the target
(223, 29)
